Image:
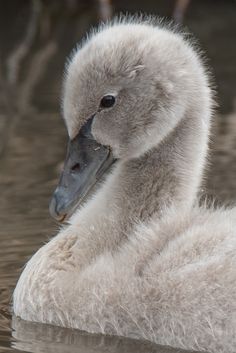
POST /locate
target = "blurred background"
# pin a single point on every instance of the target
(36, 36)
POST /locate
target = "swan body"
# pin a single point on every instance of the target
(139, 258)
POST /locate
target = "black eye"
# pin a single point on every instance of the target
(107, 101)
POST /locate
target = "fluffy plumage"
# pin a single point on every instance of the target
(139, 259)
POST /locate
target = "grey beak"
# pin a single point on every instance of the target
(86, 162)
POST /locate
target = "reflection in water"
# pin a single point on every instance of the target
(45, 338)
(37, 38)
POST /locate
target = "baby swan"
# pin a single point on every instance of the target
(138, 259)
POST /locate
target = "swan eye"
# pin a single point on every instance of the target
(107, 101)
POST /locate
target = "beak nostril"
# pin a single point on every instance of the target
(75, 167)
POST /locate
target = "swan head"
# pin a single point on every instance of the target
(125, 89)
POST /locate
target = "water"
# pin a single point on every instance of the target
(34, 43)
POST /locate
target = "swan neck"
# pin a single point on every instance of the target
(169, 175)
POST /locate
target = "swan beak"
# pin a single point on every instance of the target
(86, 162)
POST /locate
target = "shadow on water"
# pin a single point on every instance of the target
(35, 38)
